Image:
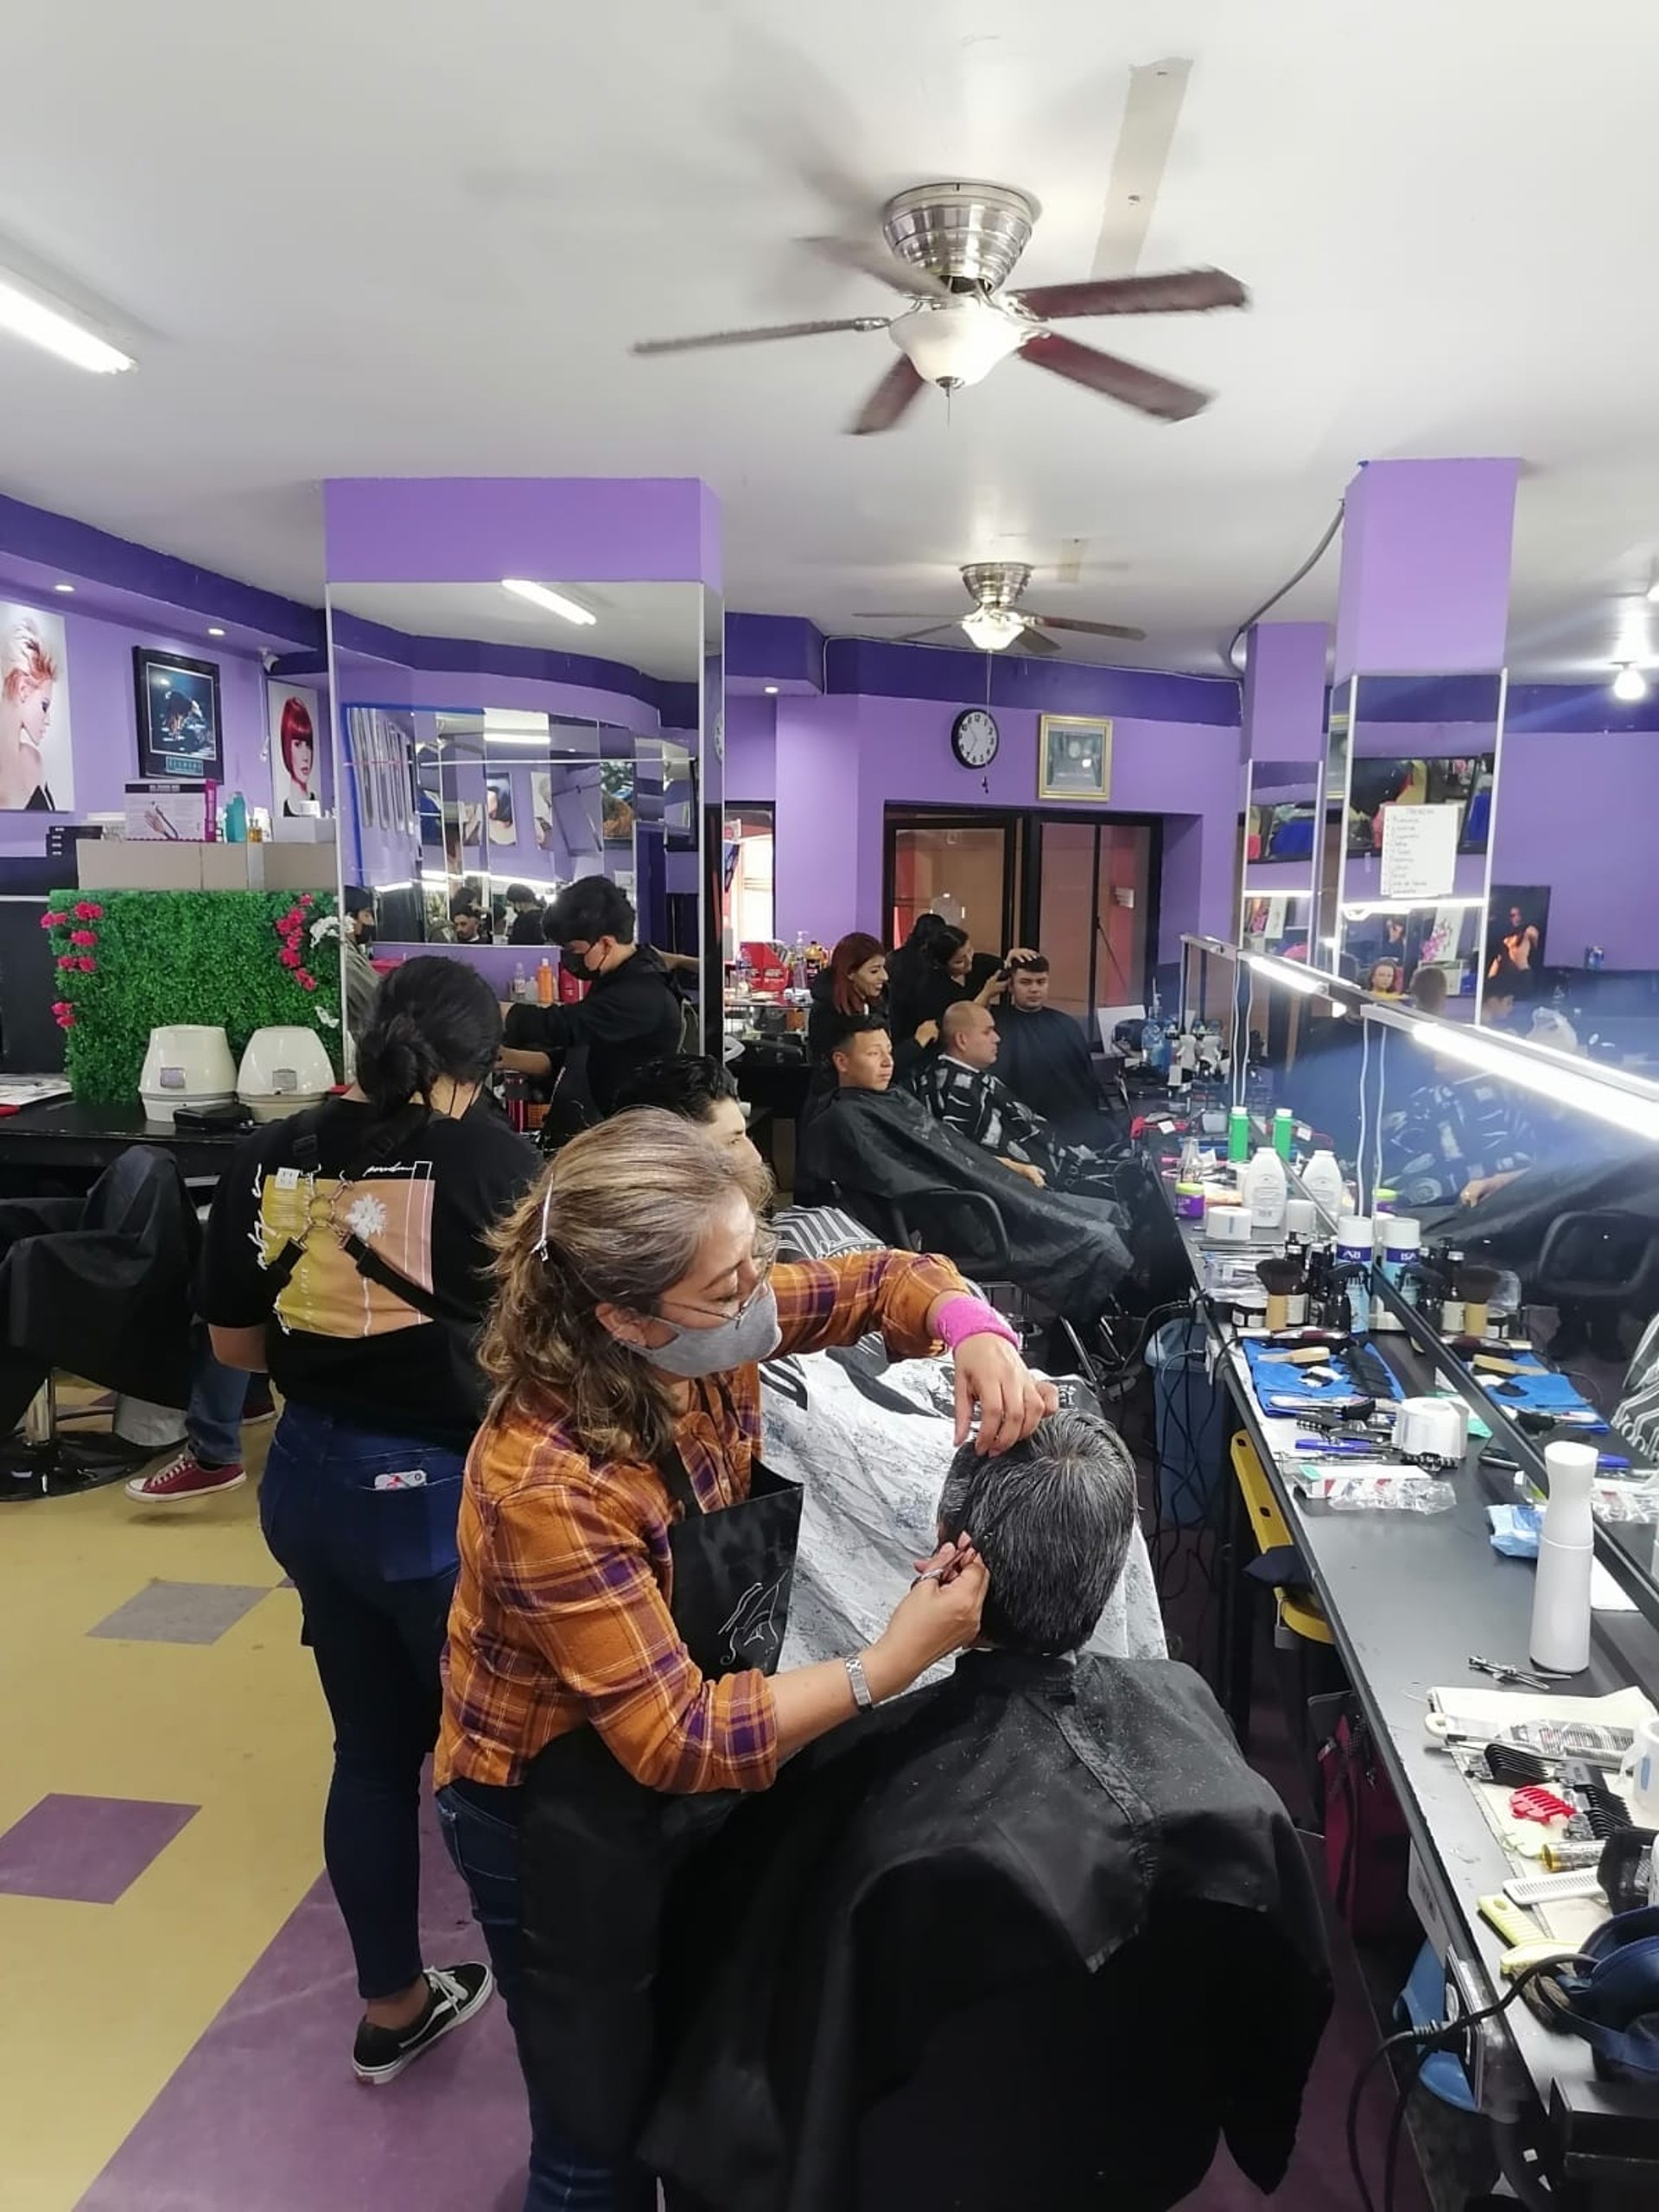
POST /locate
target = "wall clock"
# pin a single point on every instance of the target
(974, 738)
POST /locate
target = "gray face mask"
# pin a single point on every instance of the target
(752, 1335)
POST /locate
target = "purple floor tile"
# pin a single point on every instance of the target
(182, 1613)
(265, 2115)
(86, 1850)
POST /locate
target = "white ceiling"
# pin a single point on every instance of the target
(399, 236)
(654, 627)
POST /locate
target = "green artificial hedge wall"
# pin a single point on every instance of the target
(213, 957)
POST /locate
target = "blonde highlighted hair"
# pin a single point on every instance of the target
(26, 662)
(626, 1207)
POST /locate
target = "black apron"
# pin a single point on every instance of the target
(597, 1848)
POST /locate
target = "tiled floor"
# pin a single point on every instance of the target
(185, 2046)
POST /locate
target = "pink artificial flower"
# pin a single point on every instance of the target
(67, 960)
(83, 937)
(288, 957)
(305, 899)
(60, 1005)
(67, 1019)
(306, 982)
(86, 912)
(94, 912)
(88, 967)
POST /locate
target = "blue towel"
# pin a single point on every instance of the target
(1278, 1380)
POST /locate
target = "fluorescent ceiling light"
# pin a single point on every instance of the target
(1538, 1067)
(1286, 971)
(63, 588)
(57, 332)
(992, 627)
(554, 602)
(1630, 684)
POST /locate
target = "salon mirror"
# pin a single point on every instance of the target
(1281, 845)
(1417, 762)
(492, 749)
(1532, 1177)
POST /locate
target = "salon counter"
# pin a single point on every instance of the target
(1409, 1597)
(71, 1143)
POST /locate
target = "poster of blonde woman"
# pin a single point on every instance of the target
(36, 768)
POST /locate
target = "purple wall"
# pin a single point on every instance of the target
(1425, 582)
(468, 528)
(839, 762)
(1576, 813)
(750, 750)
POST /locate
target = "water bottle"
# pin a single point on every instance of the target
(1560, 1599)
(520, 984)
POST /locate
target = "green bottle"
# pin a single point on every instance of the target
(1281, 1131)
(1238, 1135)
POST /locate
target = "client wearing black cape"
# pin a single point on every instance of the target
(881, 1145)
(1032, 1940)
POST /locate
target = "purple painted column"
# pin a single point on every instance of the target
(1426, 552)
(449, 529)
(1284, 691)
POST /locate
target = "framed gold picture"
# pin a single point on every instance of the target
(1074, 757)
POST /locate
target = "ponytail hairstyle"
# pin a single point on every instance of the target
(618, 1219)
(431, 1017)
(850, 954)
(942, 945)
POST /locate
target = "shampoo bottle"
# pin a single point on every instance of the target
(1561, 1597)
(1265, 1191)
(1322, 1181)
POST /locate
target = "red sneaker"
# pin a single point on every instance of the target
(184, 1477)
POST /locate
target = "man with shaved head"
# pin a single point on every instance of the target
(963, 1092)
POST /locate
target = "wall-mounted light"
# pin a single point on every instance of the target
(771, 690)
(214, 632)
(29, 315)
(1552, 1075)
(554, 602)
(1286, 971)
(1630, 684)
(67, 588)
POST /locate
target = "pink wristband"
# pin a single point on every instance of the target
(961, 1317)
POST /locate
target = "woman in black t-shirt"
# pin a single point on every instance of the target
(346, 1254)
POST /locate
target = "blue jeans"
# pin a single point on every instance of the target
(485, 1847)
(212, 1419)
(374, 1561)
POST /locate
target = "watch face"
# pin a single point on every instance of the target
(974, 738)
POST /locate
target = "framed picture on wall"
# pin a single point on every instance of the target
(1074, 757)
(293, 718)
(37, 773)
(180, 734)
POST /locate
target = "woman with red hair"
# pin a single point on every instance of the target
(297, 741)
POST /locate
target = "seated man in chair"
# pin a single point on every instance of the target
(1045, 1061)
(960, 1087)
(886, 1153)
(1035, 1937)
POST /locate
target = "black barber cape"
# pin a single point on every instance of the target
(632, 1014)
(880, 1146)
(1044, 1059)
(1029, 1942)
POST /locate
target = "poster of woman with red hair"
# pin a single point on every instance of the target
(296, 753)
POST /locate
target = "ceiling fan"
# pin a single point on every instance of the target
(998, 619)
(951, 250)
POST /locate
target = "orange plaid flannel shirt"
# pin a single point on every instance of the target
(561, 1612)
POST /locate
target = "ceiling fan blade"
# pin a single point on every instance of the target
(939, 630)
(897, 276)
(1031, 640)
(1137, 387)
(1183, 291)
(762, 336)
(889, 400)
(1090, 629)
(892, 614)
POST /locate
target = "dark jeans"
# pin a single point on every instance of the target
(483, 1840)
(374, 1559)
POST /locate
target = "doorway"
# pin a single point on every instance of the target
(1084, 889)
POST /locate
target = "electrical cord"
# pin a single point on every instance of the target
(1397, 2128)
(1432, 2036)
(1268, 605)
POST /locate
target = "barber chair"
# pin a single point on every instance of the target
(99, 1287)
(1598, 1270)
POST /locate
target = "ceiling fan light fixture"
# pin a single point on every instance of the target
(955, 342)
(1630, 684)
(991, 628)
(554, 602)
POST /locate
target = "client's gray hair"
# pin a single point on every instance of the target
(1052, 1519)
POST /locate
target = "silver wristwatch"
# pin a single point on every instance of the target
(863, 1696)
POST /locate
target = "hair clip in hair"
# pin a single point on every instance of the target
(547, 1211)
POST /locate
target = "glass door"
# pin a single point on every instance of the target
(1094, 895)
(965, 868)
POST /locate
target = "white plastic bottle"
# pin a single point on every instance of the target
(1265, 1191)
(1561, 1597)
(1322, 1181)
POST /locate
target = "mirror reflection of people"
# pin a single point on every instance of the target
(359, 976)
(626, 1564)
(297, 741)
(632, 1014)
(527, 915)
(468, 920)
(28, 680)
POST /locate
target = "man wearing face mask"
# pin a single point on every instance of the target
(358, 971)
(626, 1564)
(630, 1015)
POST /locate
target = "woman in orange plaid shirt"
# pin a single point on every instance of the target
(626, 1559)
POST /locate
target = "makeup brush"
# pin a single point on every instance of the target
(1280, 1279)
